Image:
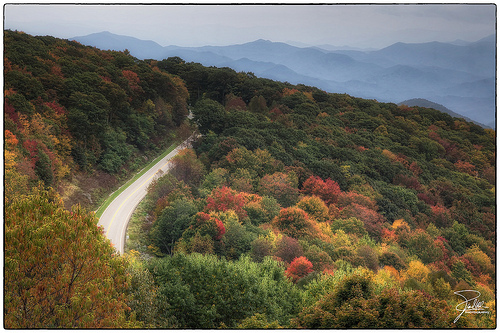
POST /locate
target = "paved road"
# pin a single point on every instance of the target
(116, 217)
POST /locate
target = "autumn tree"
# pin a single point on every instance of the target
(299, 268)
(328, 190)
(315, 207)
(354, 305)
(223, 199)
(295, 223)
(187, 167)
(287, 249)
(60, 270)
(281, 186)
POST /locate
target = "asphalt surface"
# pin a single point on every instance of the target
(116, 217)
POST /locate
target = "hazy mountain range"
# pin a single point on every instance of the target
(458, 75)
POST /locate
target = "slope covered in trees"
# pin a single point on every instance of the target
(367, 208)
(74, 112)
(71, 108)
(295, 208)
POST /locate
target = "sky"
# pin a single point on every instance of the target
(355, 25)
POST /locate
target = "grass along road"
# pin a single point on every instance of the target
(113, 195)
(119, 207)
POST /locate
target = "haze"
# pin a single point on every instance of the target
(363, 26)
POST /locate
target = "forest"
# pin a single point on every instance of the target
(295, 208)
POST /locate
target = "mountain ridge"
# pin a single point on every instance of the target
(434, 70)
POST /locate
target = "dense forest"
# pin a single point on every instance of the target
(74, 109)
(295, 208)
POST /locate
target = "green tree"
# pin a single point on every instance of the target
(43, 168)
(209, 116)
(169, 226)
(258, 105)
(206, 292)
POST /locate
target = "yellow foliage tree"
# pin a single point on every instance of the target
(417, 270)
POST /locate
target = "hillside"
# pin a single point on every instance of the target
(78, 118)
(461, 77)
(342, 191)
(294, 208)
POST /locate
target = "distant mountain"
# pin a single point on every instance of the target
(107, 41)
(460, 75)
(476, 58)
(431, 105)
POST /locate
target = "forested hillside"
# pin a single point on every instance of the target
(76, 109)
(295, 208)
(364, 207)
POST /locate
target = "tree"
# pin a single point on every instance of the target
(209, 116)
(295, 223)
(187, 167)
(422, 245)
(281, 186)
(261, 248)
(315, 207)
(319, 258)
(43, 168)
(351, 225)
(169, 226)
(299, 268)
(372, 220)
(287, 249)
(236, 240)
(206, 292)
(223, 199)
(145, 302)
(60, 270)
(258, 105)
(327, 190)
(347, 198)
(353, 305)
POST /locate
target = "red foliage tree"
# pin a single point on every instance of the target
(235, 103)
(466, 167)
(133, 79)
(58, 109)
(225, 198)
(280, 186)
(327, 190)
(441, 216)
(299, 268)
(373, 221)
(208, 225)
(408, 182)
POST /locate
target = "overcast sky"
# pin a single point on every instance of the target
(365, 26)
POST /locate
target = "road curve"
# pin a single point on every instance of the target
(115, 218)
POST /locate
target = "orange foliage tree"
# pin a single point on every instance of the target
(295, 223)
(60, 270)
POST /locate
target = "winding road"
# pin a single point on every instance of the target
(115, 218)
